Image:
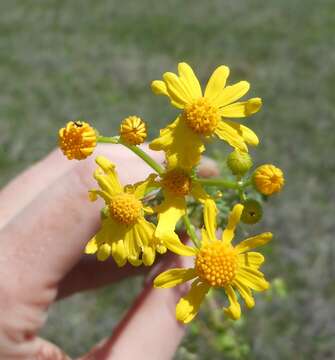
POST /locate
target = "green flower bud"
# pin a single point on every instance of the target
(239, 162)
(252, 212)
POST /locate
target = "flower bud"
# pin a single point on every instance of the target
(239, 162)
(252, 212)
(268, 179)
(77, 140)
(133, 130)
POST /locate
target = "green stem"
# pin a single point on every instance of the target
(190, 230)
(109, 140)
(242, 195)
(247, 183)
(219, 182)
(135, 149)
(241, 187)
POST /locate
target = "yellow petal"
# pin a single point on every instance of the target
(252, 259)
(210, 209)
(119, 253)
(87, 151)
(234, 309)
(190, 81)
(217, 82)
(148, 241)
(245, 293)
(173, 277)
(93, 195)
(143, 187)
(231, 135)
(176, 246)
(205, 238)
(105, 183)
(252, 278)
(107, 166)
(135, 262)
(149, 255)
(161, 248)
(104, 252)
(188, 306)
(179, 153)
(169, 212)
(113, 234)
(252, 242)
(247, 134)
(159, 87)
(145, 231)
(231, 93)
(132, 243)
(210, 213)
(92, 246)
(107, 177)
(108, 233)
(199, 193)
(233, 220)
(176, 89)
(241, 109)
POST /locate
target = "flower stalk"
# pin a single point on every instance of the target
(190, 230)
(135, 149)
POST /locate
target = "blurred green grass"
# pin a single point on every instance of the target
(61, 60)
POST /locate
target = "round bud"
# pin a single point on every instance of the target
(252, 212)
(268, 179)
(133, 130)
(77, 140)
(239, 162)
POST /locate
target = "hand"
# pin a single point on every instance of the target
(45, 223)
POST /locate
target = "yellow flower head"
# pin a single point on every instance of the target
(77, 140)
(203, 114)
(268, 179)
(219, 264)
(133, 130)
(125, 233)
(176, 184)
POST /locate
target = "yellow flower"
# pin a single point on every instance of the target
(133, 130)
(219, 264)
(77, 140)
(125, 234)
(203, 115)
(176, 184)
(268, 179)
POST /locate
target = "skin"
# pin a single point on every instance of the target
(45, 223)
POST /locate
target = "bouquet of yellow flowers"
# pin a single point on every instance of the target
(141, 219)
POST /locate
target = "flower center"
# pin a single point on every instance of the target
(216, 264)
(201, 117)
(125, 208)
(177, 182)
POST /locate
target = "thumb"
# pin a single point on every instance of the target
(149, 330)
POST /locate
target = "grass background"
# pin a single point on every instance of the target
(61, 60)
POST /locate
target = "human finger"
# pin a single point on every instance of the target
(149, 330)
(42, 243)
(23, 188)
